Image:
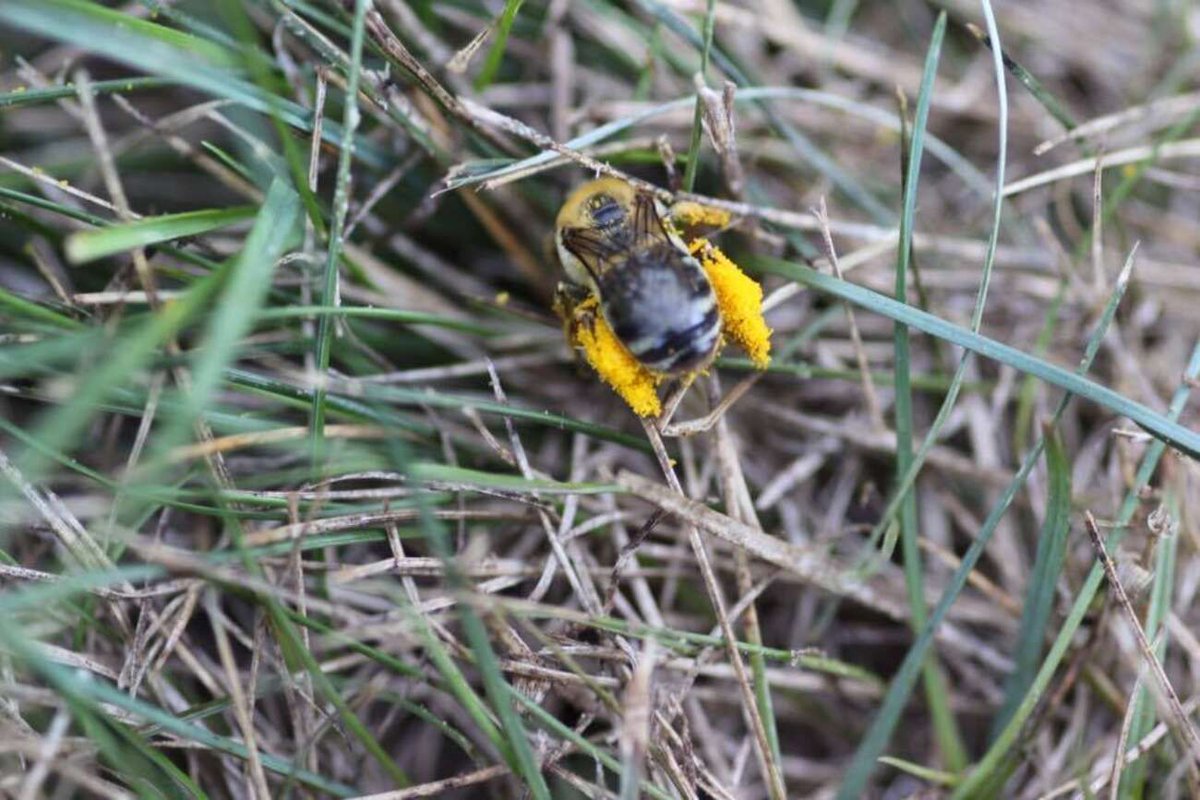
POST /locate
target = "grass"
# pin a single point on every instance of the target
(301, 493)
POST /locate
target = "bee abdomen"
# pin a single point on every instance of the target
(663, 310)
(680, 349)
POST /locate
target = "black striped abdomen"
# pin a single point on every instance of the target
(661, 306)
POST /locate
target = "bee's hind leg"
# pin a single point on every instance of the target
(692, 427)
(671, 403)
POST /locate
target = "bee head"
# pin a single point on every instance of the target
(593, 224)
(606, 212)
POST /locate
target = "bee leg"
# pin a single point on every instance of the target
(671, 404)
(572, 307)
(568, 299)
(692, 427)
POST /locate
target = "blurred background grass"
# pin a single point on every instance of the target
(304, 495)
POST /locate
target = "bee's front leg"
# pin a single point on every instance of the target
(569, 298)
(576, 308)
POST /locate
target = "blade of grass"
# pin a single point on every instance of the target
(1039, 595)
(990, 772)
(93, 691)
(693, 153)
(433, 399)
(370, 312)
(498, 170)
(908, 476)
(36, 312)
(293, 647)
(1026, 78)
(935, 776)
(457, 684)
(27, 97)
(551, 723)
(173, 41)
(491, 64)
(934, 384)
(341, 205)
(85, 246)
(876, 740)
(514, 746)
(249, 281)
(151, 47)
(445, 473)
(1133, 781)
(936, 696)
(1158, 425)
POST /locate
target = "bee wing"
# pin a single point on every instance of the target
(591, 247)
(647, 224)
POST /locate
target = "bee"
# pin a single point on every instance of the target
(616, 244)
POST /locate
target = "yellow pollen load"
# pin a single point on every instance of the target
(739, 298)
(688, 213)
(615, 365)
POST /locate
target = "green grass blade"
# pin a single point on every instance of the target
(948, 738)
(434, 399)
(444, 473)
(1158, 425)
(477, 172)
(500, 693)
(293, 646)
(35, 312)
(1039, 595)
(371, 312)
(933, 776)
(514, 746)
(693, 153)
(249, 281)
(165, 40)
(94, 691)
(908, 476)
(166, 53)
(552, 724)
(29, 97)
(990, 772)
(1026, 79)
(491, 64)
(341, 204)
(85, 246)
(896, 698)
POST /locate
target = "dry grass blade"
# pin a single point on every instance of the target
(767, 762)
(813, 567)
(1182, 726)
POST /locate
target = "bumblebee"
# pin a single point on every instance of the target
(615, 242)
(642, 303)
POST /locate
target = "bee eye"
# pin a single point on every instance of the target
(606, 211)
